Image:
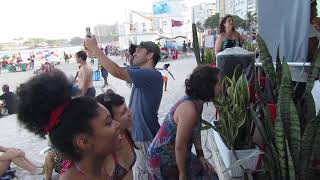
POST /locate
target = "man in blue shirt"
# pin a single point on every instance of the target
(145, 96)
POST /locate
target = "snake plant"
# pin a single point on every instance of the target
(293, 141)
(232, 106)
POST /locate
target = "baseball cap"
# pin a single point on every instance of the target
(151, 47)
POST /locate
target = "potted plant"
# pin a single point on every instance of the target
(292, 142)
(232, 137)
(235, 125)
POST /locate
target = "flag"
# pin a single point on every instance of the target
(176, 23)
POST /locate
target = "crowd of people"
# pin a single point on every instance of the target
(15, 63)
(111, 140)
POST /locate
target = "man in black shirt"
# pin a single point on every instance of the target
(9, 99)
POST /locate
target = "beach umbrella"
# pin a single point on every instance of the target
(6, 56)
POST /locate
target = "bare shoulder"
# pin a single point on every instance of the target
(186, 109)
(221, 36)
(87, 69)
(71, 174)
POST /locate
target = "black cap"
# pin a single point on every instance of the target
(151, 47)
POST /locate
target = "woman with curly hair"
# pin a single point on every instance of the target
(228, 36)
(125, 157)
(169, 154)
(81, 129)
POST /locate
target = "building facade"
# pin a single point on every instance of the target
(105, 33)
(252, 6)
(202, 11)
(236, 7)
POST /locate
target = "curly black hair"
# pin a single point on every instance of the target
(41, 95)
(109, 99)
(201, 83)
(223, 21)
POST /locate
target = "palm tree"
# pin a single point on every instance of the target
(251, 20)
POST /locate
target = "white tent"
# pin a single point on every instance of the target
(285, 23)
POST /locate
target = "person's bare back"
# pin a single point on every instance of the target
(85, 78)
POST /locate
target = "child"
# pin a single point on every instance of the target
(165, 74)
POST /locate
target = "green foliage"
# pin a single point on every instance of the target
(209, 56)
(239, 22)
(307, 148)
(251, 20)
(248, 45)
(200, 27)
(291, 153)
(195, 45)
(232, 106)
(212, 22)
(267, 65)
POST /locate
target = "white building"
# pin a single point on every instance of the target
(139, 26)
(252, 6)
(177, 10)
(229, 7)
(143, 26)
(104, 32)
(202, 11)
(236, 7)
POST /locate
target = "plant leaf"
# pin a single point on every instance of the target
(196, 48)
(289, 115)
(267, 63)
(281, 145)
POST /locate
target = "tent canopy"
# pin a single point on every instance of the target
(285, 24)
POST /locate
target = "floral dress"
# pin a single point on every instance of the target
(161, 153)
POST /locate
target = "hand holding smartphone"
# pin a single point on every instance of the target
(88, 32)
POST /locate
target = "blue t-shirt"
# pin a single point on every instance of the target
(145, 100)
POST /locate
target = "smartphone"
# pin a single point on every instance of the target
(88, 32)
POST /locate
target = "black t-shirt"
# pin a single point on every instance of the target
(184, 46)
(10, 101)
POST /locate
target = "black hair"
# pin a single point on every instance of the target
(166, 65)
(223, 21)
(156, 58)
(82, 55)
(201, 83)
(109, 99)
(132, 49)
(5, 88)
(41, 95)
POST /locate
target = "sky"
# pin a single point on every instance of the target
(61, 18)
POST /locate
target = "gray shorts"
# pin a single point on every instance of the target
(140, 168)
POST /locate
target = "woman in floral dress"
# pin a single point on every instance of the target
(169, 155)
